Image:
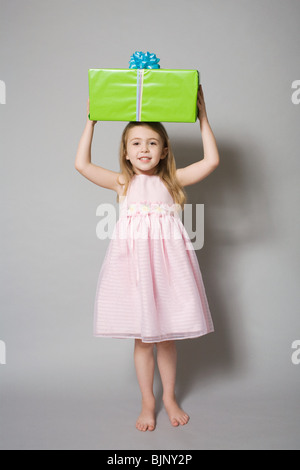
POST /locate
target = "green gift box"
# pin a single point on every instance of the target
(149, 95)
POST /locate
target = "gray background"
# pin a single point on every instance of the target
(64, 389)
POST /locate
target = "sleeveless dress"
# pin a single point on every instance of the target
(150, 286)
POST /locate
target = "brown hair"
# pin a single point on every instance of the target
(166, 168)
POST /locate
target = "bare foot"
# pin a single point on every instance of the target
(176, 415)
(146, 420)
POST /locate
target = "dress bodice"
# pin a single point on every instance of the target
(148, 188)
(147, 194)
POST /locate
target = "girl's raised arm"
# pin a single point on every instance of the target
(196, 172)
(98, 175)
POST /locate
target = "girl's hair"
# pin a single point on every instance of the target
(166, 168)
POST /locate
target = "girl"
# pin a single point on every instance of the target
(150, 287)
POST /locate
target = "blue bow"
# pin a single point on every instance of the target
(140, 60)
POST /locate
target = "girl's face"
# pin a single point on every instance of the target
(144, 149)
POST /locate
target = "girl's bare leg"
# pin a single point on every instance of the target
(167, 362)
(144, 364)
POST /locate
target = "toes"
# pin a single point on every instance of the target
(184, 419)
(140, 427)
(180, 420)
(144, 427)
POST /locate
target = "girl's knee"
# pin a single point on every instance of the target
(146, 346)
(165, 345)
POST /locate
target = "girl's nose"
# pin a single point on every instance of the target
(144, 147)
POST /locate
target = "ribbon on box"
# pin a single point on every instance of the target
(139, 93)
(142, 61)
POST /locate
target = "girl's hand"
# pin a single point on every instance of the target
(88, 112)
(201, 105)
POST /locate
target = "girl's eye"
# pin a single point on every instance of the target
(138, 143)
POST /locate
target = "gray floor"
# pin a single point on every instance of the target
(86, 416)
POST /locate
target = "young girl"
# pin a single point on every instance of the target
(150, 286)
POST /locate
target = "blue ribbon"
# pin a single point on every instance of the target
(140, 60)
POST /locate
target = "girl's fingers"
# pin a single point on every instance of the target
(201, 91)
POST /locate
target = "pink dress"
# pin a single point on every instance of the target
(150, 286)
